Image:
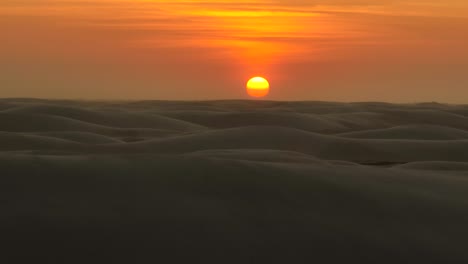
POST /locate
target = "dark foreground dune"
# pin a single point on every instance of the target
(233, 182)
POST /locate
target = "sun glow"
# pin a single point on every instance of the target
(258, 87)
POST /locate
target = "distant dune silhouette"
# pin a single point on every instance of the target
(233, 182)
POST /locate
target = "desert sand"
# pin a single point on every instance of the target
(233, 182)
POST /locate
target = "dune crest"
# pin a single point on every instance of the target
(366, 133)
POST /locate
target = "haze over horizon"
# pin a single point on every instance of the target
(357, 50)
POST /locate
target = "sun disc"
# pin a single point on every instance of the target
(258, 87)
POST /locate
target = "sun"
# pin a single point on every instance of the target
(258, 87)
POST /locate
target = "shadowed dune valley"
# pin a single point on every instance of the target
(233, 181)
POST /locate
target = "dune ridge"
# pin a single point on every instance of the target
(350, 132)
(416, 132)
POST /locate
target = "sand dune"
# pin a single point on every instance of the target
(126, 209)
(265, 155)
(112, 118)
(81, 137)
(417, 132)
(293, 120)
(436, 166)
(15, 142)
(373, 132)
(287, 139)
(233, 181)
(426, 116)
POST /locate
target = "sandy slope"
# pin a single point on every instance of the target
(233, 182)
(417, 132)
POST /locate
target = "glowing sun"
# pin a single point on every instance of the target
(258, 87)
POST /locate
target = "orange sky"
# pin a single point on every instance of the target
(341, 50)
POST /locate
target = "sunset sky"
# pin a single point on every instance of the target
(339, 50)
